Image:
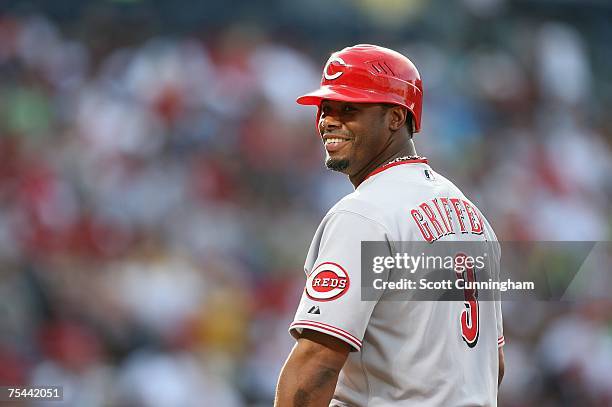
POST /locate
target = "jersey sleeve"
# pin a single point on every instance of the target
(331, 302)
(501, 341)
(496, 248)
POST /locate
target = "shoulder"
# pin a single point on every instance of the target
(358, 206)
(349, 219)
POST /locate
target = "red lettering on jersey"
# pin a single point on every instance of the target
(444, 220)
(423, 225)
(432, 219)
(480, 220)
(475, 221)
(459, 211)
(447, 210)
(470, 324)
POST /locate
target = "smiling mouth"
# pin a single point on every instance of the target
(333, 144)
(334, 140)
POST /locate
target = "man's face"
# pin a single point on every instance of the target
(353, 134)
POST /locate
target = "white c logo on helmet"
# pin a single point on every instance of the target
(337, 74)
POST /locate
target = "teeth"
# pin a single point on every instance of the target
(333, 140)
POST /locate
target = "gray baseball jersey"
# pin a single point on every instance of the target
(406, 353)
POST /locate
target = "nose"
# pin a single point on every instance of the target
(328, 123)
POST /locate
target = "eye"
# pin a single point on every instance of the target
(348, 108)
(325, 109)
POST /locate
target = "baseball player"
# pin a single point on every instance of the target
(351, 352)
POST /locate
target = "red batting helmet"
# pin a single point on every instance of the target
(370, 74)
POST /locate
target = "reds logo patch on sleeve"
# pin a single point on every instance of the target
(327, 282)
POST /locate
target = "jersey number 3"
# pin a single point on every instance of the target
(469, 316)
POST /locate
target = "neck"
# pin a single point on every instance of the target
(406, 149)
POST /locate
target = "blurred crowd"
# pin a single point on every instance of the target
(157, 200)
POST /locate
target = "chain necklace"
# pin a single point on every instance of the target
(404, 158)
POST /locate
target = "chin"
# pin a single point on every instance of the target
(337, 164)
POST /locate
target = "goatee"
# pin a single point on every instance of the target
(336, 164)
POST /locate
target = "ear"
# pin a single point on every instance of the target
(397, 117)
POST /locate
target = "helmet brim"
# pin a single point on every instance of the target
(343, 94)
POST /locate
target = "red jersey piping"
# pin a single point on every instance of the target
(329, 328)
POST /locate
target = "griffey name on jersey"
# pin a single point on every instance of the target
(440, 217)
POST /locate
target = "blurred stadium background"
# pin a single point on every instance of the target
(159, 187)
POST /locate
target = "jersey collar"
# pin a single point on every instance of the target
(421, 160)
